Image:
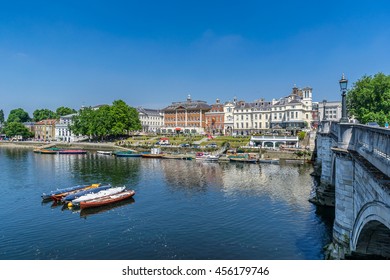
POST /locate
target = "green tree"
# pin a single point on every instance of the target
(18, 115)
(63, 111)
(103, 121)
(1, 116)
(124, 118)
(12, 129)
(369, 99)
(83, 123)
(117, 119)
(44, 114)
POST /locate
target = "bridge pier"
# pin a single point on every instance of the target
(344, 203)
(355, 159)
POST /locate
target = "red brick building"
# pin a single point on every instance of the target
(185, 117)
(215, 118)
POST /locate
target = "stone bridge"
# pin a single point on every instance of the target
(353, 163)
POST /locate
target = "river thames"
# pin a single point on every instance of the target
(182, 210)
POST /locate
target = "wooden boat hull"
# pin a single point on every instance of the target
(95, 195)
(107, 199)
(128, 155)
(47, 196)
(72, 152)
(75, 195)
(243, 160)
(152, 155)
(61, 195)
(45, 151)
(184, 157)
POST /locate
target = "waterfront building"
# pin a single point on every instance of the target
(251, 117)
(152, 120)
(30, 126)
(185, 116)
(332, 110)
(62, 130)
(215, 118)
(228, 109)
(293, 112)
(45, 129)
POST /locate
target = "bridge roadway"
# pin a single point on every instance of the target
(354, 165)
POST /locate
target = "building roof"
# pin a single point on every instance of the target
(256, 105)
(149, 112)
(46, 122)
(188, 105)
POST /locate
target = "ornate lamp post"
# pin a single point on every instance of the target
(343, 86)
(323, 108)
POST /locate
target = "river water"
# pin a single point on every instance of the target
(182, 210)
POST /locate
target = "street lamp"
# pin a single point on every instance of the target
(323, 108)
(343, 86)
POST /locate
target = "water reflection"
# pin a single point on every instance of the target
(90, 168)
(84, 213)
(279, 182)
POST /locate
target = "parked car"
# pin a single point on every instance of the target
(212, 145)
(374, 124)
(184, 145)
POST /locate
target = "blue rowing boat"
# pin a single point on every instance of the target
(47, 196)
(72, 196)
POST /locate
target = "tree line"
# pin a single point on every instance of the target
(105, 121)
(369, 99)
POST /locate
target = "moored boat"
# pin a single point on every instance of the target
(58, 196)
(211, 158)
(45, 151)
(72, 152)
(107, 153)
(107, 199)
(47, 196)
(102, 193)
(127, 154)
(243, 157)
(244, 160)
(89, 211)
(177, 156)
(154, 153)
(75, 195)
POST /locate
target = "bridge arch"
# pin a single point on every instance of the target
(371, 231)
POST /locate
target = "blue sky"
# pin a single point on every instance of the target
(151, 53)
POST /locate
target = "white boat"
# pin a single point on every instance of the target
(109, 153)
(102, 193)
(211, 158)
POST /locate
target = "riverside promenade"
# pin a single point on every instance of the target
(73, 145)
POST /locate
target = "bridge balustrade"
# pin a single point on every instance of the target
(373, 144)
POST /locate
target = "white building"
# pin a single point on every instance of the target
(294, 111)
(62, 131)
(228, 109)
(332, 110)
(151, 120)
(251, 118)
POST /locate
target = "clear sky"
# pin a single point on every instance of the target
(151, 53)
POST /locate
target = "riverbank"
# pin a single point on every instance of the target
(110, 146)
(73, 145)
